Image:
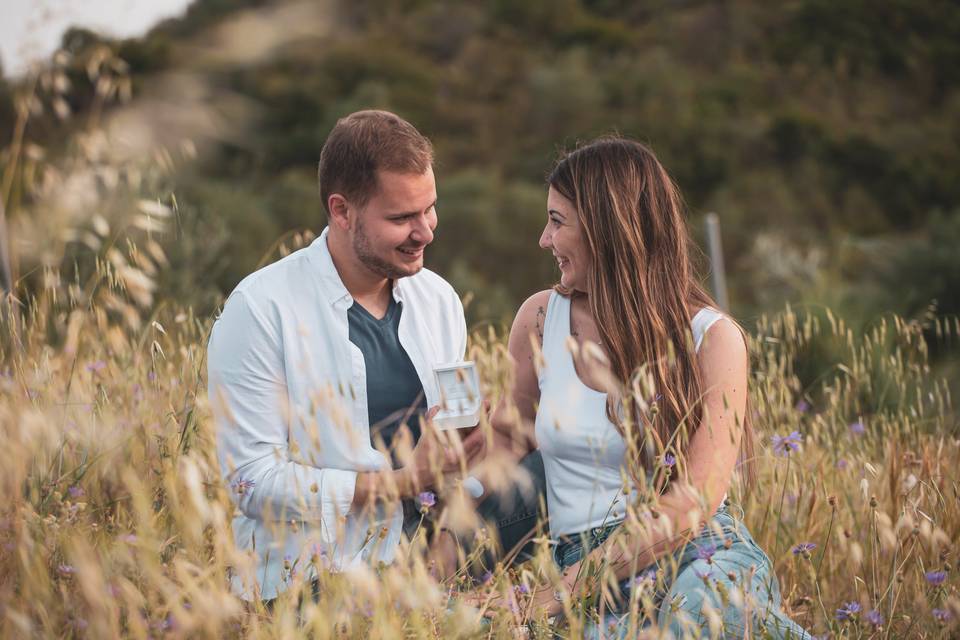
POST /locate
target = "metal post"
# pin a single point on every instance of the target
(6, 274)
(717, 273)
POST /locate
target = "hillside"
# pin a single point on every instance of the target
(825, 136)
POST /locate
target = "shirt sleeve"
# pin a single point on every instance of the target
(460, 323)
(248, 394)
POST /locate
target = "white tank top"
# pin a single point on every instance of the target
(583, 453)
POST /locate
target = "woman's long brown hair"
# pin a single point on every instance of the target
(642, 285)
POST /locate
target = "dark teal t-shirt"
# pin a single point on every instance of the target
(394, 393)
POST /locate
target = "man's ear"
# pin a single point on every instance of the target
(339, 210)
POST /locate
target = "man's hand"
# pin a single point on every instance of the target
(438, 453)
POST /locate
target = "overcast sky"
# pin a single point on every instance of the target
(31, 29)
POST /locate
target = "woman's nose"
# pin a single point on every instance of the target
(546, 238)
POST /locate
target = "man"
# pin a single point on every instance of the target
(324, 355)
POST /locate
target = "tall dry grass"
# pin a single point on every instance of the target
(115, 521)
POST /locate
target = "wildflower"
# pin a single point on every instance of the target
(943, 615)
(842, 464)
(241, 486)
(94, 367)
(66, 570)
(783, 445)
(648, 577)
(857, 428)
(522, 589)
(703, 575)
(129, 538)
(427, 499)
(317, 554)
(874, 617)
(486, 577)
(803, 548)
(802, 406)
(706, 552)
(75, 491)
(848, 611)
(669, 460)
(936, 578)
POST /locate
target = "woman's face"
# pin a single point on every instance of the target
(563, 237)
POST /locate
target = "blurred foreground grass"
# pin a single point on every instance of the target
(115, 522)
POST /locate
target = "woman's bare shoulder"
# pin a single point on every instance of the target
(531, 315)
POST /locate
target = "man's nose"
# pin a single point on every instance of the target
(422, 230)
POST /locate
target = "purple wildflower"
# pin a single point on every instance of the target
(783, 445)
(75, 491)
(317, 553)
(241, 485)
(874, 617)
(647, 577)
(427, 499)
(802, 406)
(848, 611)
(803, 548)
(66, 570)
(706, 552)
(98, 365)
(857, 428)
(943, 615)
(486, 577)
(703, 575)
(669, 460)
(936, 578)
(522, 589)
(129, 538)
(842, 464)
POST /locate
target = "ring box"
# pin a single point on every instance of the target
(460, 397)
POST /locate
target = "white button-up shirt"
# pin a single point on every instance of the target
(288, 392)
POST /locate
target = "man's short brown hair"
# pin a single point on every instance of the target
(363, 143)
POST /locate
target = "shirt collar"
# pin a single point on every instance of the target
(330, 283)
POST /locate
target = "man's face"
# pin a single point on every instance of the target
(395, 226)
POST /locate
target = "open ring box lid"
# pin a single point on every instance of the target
(460, 397)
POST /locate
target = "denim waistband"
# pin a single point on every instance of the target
(571, 548)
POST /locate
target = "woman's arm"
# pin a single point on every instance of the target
(512, 421)
(710, 460)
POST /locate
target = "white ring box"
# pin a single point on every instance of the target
(460, 398)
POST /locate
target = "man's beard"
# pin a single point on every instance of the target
(369, 258)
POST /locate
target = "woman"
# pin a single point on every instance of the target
(642, 389)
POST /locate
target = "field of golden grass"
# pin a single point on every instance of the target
(116, 522)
